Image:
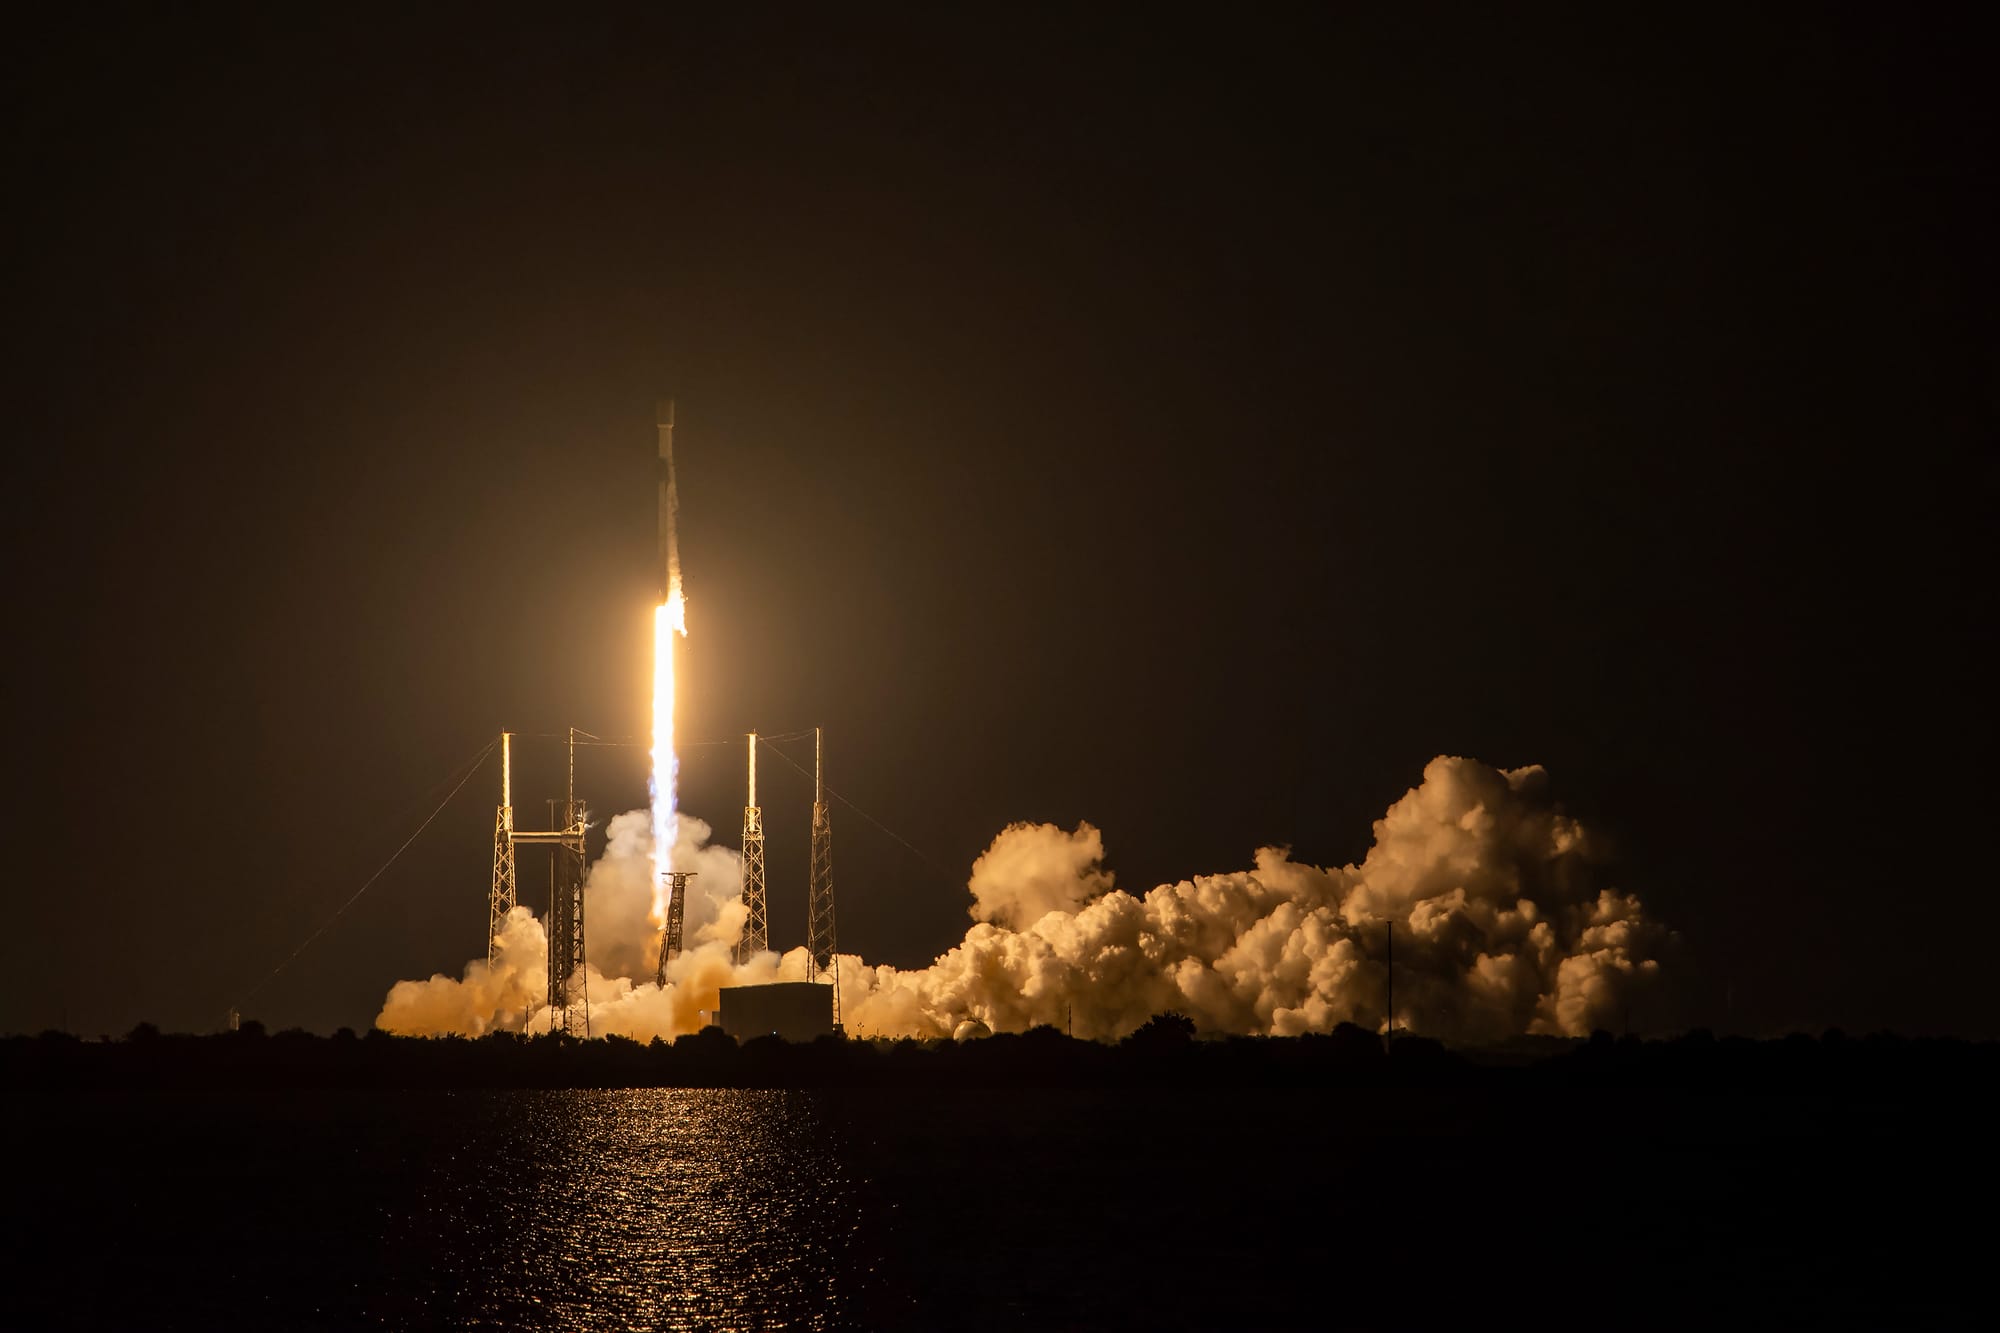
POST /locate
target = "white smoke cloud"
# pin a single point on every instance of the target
(1501, 928)
(620, 937)
(1034, 869)
(497, 996)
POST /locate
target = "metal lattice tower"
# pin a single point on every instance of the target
(569, 1000)
(501, 901)
(568, 997)
(568, 991)
(822, 952)
(756, 936)
(670, 936)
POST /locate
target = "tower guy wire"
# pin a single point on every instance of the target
(588, 741)
(880, 827)
(470, 767)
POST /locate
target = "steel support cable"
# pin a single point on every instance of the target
(470, 766)
(906, 844)
(645, 742)
(633, 743)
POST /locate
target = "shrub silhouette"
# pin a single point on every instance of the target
(1163, 1032)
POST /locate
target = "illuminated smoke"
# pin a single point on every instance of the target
(621, 942)
(620, 937)
(1502, 927)
(501, 996)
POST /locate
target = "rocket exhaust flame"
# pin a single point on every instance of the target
(669, 619)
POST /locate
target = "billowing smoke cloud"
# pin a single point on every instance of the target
(620, 938)
(1034, 869)
(1501, 926)
(498, 996)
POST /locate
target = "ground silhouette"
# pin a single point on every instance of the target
(1166, 1051)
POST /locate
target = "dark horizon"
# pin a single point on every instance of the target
(1191, 427)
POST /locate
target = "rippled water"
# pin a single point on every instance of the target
(992, 1209)
(643, 1209)
(579, 1209)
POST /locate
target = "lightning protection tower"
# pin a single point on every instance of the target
(756, 927)
(563, 923)
(501, 900)
(823, 953)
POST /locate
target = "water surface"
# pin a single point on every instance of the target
(980, 1209)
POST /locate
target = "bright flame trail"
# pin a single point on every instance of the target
(670, 619)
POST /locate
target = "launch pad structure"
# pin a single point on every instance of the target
(793, 1010)
(822, 955)
(563, 923)
(569, 1000)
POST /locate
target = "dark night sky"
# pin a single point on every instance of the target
(1188, 425)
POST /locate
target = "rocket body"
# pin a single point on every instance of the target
(670, 554)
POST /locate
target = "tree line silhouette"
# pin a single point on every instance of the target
(1165, 1051)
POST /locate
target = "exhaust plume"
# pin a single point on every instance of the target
(1502, 926)
(669, 619)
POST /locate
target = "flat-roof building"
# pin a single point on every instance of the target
(794, 1010)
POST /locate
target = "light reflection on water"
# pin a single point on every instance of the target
(342, 1209)
(920, 1209)
(635, 1209)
